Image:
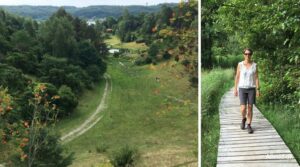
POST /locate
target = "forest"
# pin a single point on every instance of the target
(47, 66)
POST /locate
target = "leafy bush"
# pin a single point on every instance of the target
(49, 153)
(12, 78)
(67, 101)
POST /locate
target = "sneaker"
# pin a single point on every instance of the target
(243, 123)
(250, 130)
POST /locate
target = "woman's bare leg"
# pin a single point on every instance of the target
(250, 113)
(243, 111)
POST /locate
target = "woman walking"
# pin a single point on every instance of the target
(247, 87)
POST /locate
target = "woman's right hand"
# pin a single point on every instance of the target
(235, 92)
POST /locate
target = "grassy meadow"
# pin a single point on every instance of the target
(115, 42)
(157, 118)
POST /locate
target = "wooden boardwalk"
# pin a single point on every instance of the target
(237, 148)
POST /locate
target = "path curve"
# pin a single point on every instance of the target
(237, 148)
(93, 119)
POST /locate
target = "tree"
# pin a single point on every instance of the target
(208, 9)
(4, 45)
(95, 72)
(38, 144)
(67, 101)
(164, 15)
(109, 22)
(12, 78)
(31, 27)
(274, 41)
(148, 24)
(87, 54)
(58, 37)
(26, 62)
(153, 51)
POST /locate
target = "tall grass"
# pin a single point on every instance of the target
(286, 121)
(213, 85)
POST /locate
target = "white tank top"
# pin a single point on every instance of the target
(247, 76)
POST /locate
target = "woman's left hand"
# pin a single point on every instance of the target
(257, 93)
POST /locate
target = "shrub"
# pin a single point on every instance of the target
(101, 148)
(124, 157)
(166, 55)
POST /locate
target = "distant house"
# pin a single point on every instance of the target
(113, 51)
(91, 22)
(109, 30)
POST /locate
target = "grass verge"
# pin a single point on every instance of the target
(213, 85)
(286, 121)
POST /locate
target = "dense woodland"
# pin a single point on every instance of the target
(270, 28)
(45, 67)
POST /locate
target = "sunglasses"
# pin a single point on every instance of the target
(248, 54)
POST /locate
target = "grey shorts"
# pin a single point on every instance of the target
(247, 96)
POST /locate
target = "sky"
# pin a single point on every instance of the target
(84, 3)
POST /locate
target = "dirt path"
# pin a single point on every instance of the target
(93, 119)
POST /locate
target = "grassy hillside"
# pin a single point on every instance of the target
(159, 119)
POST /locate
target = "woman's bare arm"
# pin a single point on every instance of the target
(237, 78)
(257, 82)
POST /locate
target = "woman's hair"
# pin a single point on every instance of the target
(250, 50)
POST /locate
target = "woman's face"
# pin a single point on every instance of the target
(247, 55)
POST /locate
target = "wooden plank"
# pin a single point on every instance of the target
(252, 148)
(258, 164)
(250, 138)
(288, 156)
(237, 148)
(241, 153)
(252, 145)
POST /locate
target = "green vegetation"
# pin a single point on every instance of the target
(159, 119)
(286, 121)
(53, 72)
(87, 104)
(214, 84)
(125, 157)
(134, 47)
(44, 69)
(230, 26)
(170, 33)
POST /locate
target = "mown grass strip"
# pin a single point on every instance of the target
(213, 85)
